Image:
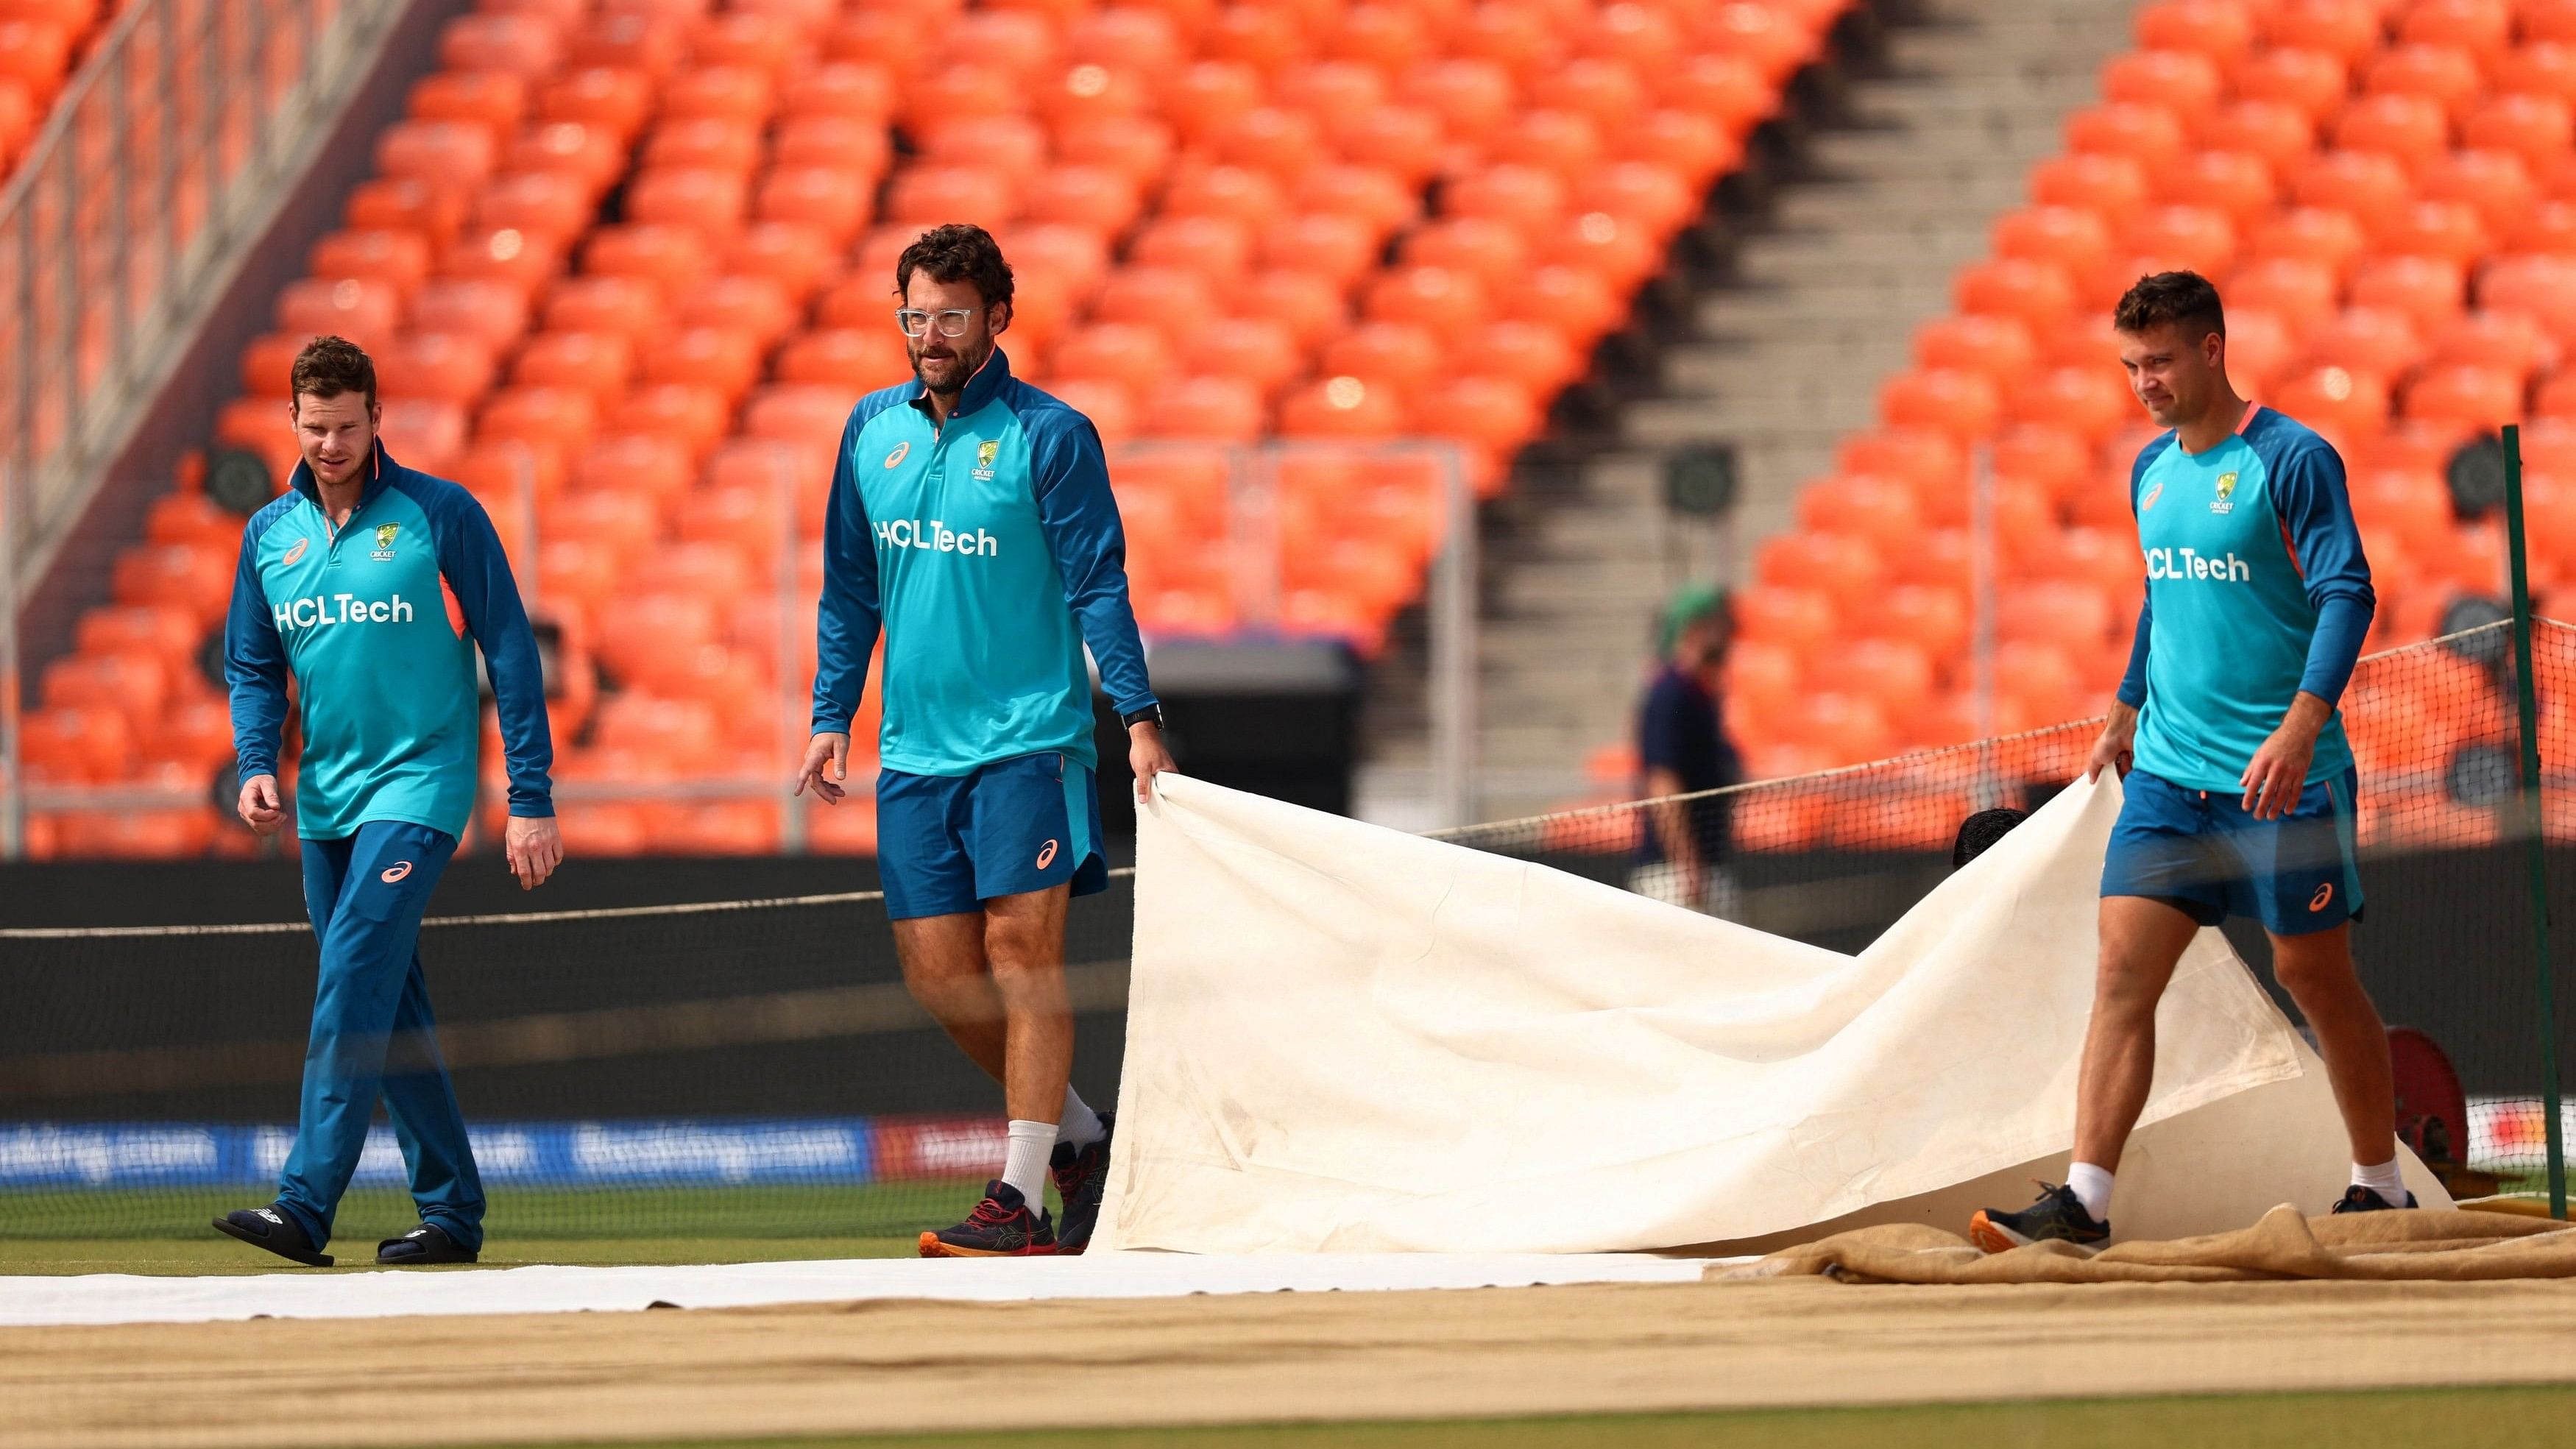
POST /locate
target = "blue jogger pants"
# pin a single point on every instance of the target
(373, 1034)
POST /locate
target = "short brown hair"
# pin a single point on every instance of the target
(330, 366)
(957, 252)
(2186, 298)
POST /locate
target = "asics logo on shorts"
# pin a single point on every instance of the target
(395, 872)
(2323, 897)
(1046, 855)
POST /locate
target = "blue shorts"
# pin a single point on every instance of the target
(948, 843)
(2205, 852)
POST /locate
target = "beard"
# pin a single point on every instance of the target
(944, 368)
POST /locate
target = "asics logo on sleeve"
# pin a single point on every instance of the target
(913, 533)
(296, 552)
(316, 611)
(2183, 563)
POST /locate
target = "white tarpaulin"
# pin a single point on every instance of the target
(1342, 1038)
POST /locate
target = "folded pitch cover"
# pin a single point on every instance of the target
(1343, 1038)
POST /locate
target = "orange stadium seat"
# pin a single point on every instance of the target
(2301, 291)
(2534, 127)
(407, 203)
(2429, 289)
(628, 307)
(2112, 187)
(497, 100)
(2184, 82)
(713, 142)
(2334, 239)
(599, 364)
(855, 359)
(1216, 248)
(435, 367)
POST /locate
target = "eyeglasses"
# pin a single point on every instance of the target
(952, 323)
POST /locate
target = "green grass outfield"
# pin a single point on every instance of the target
(2476, 1418)
(166, 1230)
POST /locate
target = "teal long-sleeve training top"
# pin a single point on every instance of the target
(377, 623)
(989, 551)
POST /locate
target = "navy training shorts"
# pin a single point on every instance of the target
(2206, 853)
(948, 843)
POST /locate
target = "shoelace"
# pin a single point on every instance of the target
(990, 1210)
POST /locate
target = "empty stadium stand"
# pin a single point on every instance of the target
(625, 265)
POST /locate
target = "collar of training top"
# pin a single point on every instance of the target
(380, 468)
(979, 390)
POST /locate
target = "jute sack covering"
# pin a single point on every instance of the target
(2441, 1246)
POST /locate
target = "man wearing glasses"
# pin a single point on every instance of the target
(971, 518)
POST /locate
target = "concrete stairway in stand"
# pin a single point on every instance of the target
(1828, 283)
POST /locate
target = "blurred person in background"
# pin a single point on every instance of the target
(1682, 749)
(971, 519)
(371, 586)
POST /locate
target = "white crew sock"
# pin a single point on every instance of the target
(2092, 1186)
(1079, 1125)
(1025, 1165)
(2383, 1180)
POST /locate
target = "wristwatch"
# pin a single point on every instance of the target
(1151, 714)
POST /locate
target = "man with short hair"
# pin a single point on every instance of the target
(971, 518)
(1683, 749)
(371, 585)
(2239, 783)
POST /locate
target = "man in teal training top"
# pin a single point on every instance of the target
(971, 518)
(371, 585)
(2237, 781)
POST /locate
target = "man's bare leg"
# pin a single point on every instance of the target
(1024, 943)
(2142, 940)
(944, 968)
(2317, 970)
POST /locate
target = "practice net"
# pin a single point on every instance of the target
(755, 1071)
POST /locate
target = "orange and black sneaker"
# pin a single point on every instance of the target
(1001, 1226)
(1081, 1174)
(2058, 1217)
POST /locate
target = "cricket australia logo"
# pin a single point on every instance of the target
(385, 533)
(2225, 502)
(985, 453)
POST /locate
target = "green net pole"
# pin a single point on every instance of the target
(2535, 845)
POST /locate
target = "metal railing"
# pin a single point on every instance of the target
(1255, 551)
(163, 154)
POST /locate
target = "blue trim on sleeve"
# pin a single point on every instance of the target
(2306, 479)
(477, 570)
(850, 612)
(255, 669)
(2133, 681)
(1070, 474)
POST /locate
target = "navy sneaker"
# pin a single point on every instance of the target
(2359, 1199)
(275, 1229)
(1001, 1226)
(1081, 1174)
(422, 1246)
(2058, 1217)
